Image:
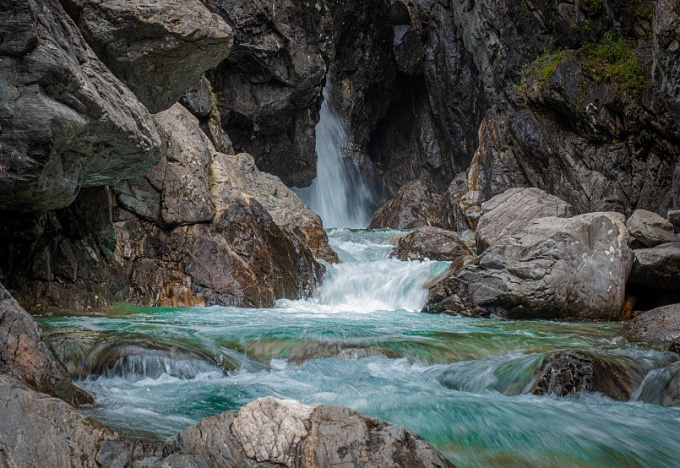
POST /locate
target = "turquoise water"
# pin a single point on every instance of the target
(463, 384)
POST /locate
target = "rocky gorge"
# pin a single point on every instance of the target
(523, 160)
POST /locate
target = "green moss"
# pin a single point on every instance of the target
(613, 59)
(543, 68)
(593, 5)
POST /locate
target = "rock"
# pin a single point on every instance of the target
(239, 174)
(269, 87)
(159, 48)
(553, 268)
(270, 431)
(198, 100)
(67, 121)
(661, 386)
(26, 357)
(667, 51)
(568, 372)
(660, 324)
(650, 228)
(416, 204)
(674, 347)
(409, 52)
(657, 267)
(431, 243)
(512, 210)
(674, 218)
(453, 217)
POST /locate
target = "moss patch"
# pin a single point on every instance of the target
(613, 59)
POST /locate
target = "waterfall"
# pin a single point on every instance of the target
(340, 194)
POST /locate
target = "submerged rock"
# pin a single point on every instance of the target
(660, 324)
(432, 243)
(661, 386)
(158, 48)
(512, 210)
(650, 228)
(553, 268)
(569, 372)
(415, 205)
(26, 357)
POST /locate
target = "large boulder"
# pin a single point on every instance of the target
(650, 228)
(158, 48)
(657, 267)
(431, 243)
(25, 356)
(269, 87)
(660, 324)
(416, 204)
(510, 211)
(67, 121)
(553, 268)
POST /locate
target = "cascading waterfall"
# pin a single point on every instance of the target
(340, 193)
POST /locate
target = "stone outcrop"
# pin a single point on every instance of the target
(417, 204)
(25, 356)
(657, 267)
(650, 228)
(553, 268)
(666, 51)
(512, 210)
(432, 243)
(661, 324)
(67, 121)
(158, 48)
(269, 88)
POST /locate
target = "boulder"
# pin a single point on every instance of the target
(198, 99)
(67, 121)
(660, 324)
(657, 267)
(569, 372)
(650, 228)
(26, 357)
(158, 48)
(553, 268)
(512, 210)
(431, 243)
(270, 432)
(415, 205)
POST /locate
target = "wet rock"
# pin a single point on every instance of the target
(569, 372)
(431, 243)
(417, 204)
(661, 386)
(409, 52)
(553, 268)
(269, 87)
(284, 432)
(660, 324)
(650, 228)
(512, 210)
(657, 267)
(67, 121)
(26, 357)
(159, 49)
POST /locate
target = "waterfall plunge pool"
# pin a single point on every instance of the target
(460, 383)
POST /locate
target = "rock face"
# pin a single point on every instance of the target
(25, 356)
(661, 324)
(417, 204)
(67, 121)
(650, 228)
(658, 267)
(269, 431)
(510, 211)
(158, 48)
(269, 87)
(432, 243)
(553, 268)
(666, 50)
(569, 372)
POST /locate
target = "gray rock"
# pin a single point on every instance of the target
(667, 50)
(512, 210)
(416, 204)
(159, 48)
(673, 217)
(432, 243)
(661, 386)
(553, 268)
(198, 99)
(657, 267)
(67, 121)
(660, 324)
(26, 357)
(650, 228)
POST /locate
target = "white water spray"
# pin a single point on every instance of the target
(339, 194)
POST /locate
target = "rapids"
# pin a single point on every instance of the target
(460, 383)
